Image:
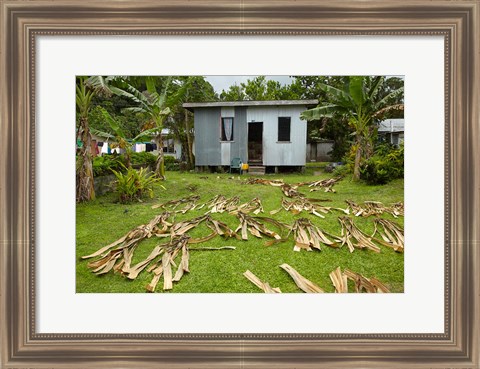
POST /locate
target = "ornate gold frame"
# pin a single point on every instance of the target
(456, 20)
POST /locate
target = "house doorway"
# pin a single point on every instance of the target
(255, 142)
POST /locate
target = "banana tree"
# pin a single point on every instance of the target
(154, 106)
(86, 89)
(363, 105)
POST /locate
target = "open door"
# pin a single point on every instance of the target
(255, 142)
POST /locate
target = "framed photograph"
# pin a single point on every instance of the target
(53, 310)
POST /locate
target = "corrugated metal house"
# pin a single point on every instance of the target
(393, 130)
(261, 133)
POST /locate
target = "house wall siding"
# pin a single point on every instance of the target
(207, 136)
(209, 150)
(238, 147)
(281, 153)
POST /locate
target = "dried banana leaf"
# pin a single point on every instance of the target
(353, 237)
(220, 204)
(271, 182)
(291, 190)
(391, 234)
(339, 281)
(375, 208)
(262, 285)
(254, 205)
(254, 226)
(183, 267)
(190, 204)
(308, 235)
(325, 184)
(302, 283)
(213, 248)
(299, 204)
(363, 283)
(136, 235)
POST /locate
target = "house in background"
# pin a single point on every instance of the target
(268, 135)
(392, 131)
(171, 146)
(319, 150)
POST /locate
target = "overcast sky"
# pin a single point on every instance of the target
(220, 83)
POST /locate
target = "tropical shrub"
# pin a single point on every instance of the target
(104, 164)
(145, 158)
(386, 164)
(171, 163)
(134, 184)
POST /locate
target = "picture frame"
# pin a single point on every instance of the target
(456, 21)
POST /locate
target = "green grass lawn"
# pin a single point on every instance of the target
(103, 221)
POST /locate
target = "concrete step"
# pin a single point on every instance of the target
(256, 169)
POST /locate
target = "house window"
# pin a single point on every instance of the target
(227, 129)
(284, 129)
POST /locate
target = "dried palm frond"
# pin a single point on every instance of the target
(290, 191)
(220, 228)
(180, 228)
(164, 265)
(262, 285)
(120, 258)
(362, 283)
(270, 182)
(254, 226)
(220, 204)
(303, 283)
(135, 235)
(354, 237)
(375, 208)
(301, 204)
(371, 285)
(391, 234)
(254, 205)
(326, 184)
(339, 281)
(190, 204)
(397, 209)
(307, 235)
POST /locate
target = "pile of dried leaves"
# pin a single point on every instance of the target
(339, 281)
(270, 182)
(391, 234)
(361, 283)
(312, 206)
(354, 237)
(118, 255)
(325, 184)
(190, 203)
(256, 226)
(292, 190)
(375, 208)
(308, 235)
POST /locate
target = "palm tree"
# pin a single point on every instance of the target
(86, 89)
(153, 105)
(362, 104)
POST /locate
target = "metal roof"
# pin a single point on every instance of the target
(392, 125)
(216, 104)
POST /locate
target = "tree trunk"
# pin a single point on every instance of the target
(191, 163)
(85, 190)
(358, 156)
(160, 164)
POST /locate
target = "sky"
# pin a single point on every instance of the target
(220, 83)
